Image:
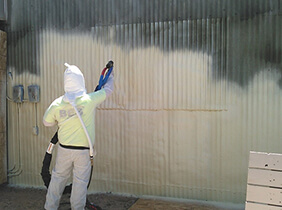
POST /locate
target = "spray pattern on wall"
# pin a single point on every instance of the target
(192, 97)
(172, 106)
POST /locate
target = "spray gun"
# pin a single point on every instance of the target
(105, 75)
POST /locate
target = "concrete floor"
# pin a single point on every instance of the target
(33, 199)
(159, 204)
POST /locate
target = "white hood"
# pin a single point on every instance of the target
(74, 83)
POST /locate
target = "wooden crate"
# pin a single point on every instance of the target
(264, 189)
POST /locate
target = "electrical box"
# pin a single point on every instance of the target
(33, 93)
(18, 93)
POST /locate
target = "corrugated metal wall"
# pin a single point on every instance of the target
(197, 86)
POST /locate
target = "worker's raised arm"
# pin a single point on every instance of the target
(109, 86)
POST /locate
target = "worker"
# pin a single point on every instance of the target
(73, 151)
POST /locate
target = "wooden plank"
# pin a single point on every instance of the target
(265, 177)
(265, 160)
(264, 195)
(256, 206)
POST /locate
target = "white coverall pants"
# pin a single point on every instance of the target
(67, 161)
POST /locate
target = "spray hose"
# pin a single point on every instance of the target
(92, 153)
